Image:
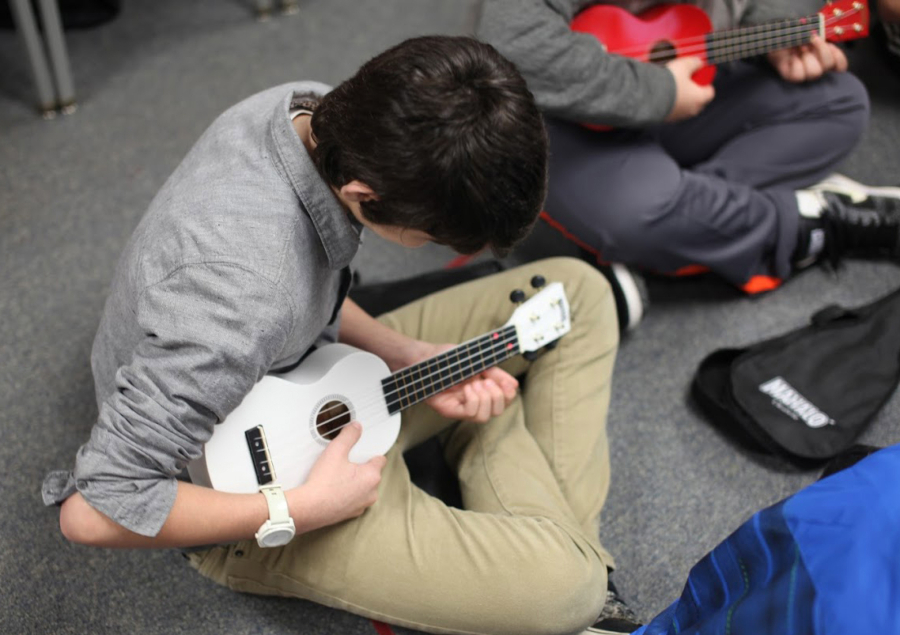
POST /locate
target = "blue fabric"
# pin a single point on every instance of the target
(825, 561)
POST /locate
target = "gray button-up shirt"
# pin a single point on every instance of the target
(236, 269)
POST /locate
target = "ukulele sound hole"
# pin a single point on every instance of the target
(662, 52)
(331, 417)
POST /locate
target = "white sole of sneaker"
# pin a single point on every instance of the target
(600, 631)
(632, 295)
(858, 192)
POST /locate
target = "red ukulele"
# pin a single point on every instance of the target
(668, 31)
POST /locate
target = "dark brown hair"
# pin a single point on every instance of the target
(446, 133)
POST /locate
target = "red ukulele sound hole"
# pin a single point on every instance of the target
(662, 52)
(331, 417)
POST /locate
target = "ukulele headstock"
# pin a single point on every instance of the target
(542, 319)
(845, 20)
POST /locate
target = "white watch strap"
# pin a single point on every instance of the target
(279, 513)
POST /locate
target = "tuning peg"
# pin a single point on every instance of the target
(538, 281)
(517, 296)
(551, 345)
(530, 355)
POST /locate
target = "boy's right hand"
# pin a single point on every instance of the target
(690, 97)
(336, 489)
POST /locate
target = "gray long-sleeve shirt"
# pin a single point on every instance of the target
(573, 78)
(238, 268)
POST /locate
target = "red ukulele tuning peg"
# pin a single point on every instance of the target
(538, 281)
(517, 296)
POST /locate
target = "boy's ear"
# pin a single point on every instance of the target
(358, 192)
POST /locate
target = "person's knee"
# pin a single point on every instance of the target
(854, 91)
(613, 215)
(641, 223)
(584, 284)
(561, 597)
(578, 272)
(850, 104)
(592, 306)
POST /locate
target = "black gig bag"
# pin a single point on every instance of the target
(807, 395)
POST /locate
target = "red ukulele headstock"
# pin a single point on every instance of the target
(845, 20)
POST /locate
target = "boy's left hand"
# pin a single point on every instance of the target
(809, 61)
(478, 399)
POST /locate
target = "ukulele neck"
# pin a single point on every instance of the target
(734, 44)
(417, 383)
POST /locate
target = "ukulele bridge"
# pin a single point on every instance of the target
(259, 454)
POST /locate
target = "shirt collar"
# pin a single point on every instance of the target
(338, 231)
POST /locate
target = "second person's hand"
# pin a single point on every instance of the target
(690, 97)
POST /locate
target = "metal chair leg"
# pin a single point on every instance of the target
(59, 58)
(26, 25)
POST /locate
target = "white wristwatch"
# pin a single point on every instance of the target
(279, 529)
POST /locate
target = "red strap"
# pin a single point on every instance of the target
(382, 628)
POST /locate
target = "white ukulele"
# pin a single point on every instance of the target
(282, 426)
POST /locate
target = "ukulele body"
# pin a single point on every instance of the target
(297, 414)
(659, 34)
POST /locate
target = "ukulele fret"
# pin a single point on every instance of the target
(434, 376)
(417, 383)
(393, 399)
(403, 391)
(478, 364)
(468, 362)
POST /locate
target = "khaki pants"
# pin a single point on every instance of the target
(524, 555)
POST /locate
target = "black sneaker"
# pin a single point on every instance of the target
(857, 219)
(615, 618)
(870, 228)
(629, 291)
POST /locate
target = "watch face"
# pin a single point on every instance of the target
(276, 537)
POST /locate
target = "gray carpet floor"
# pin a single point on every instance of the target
(72, 190)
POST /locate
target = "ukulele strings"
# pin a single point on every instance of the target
(766, 40)
(498, 347)
(755, 29)
(763, 34)
(375, 399)
(697, 43)
(762, 41)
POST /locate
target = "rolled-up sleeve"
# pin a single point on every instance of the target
(209, 333)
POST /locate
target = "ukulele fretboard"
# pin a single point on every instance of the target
(740, 43)
(416, 383)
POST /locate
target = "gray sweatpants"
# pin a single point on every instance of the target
(716, 190)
